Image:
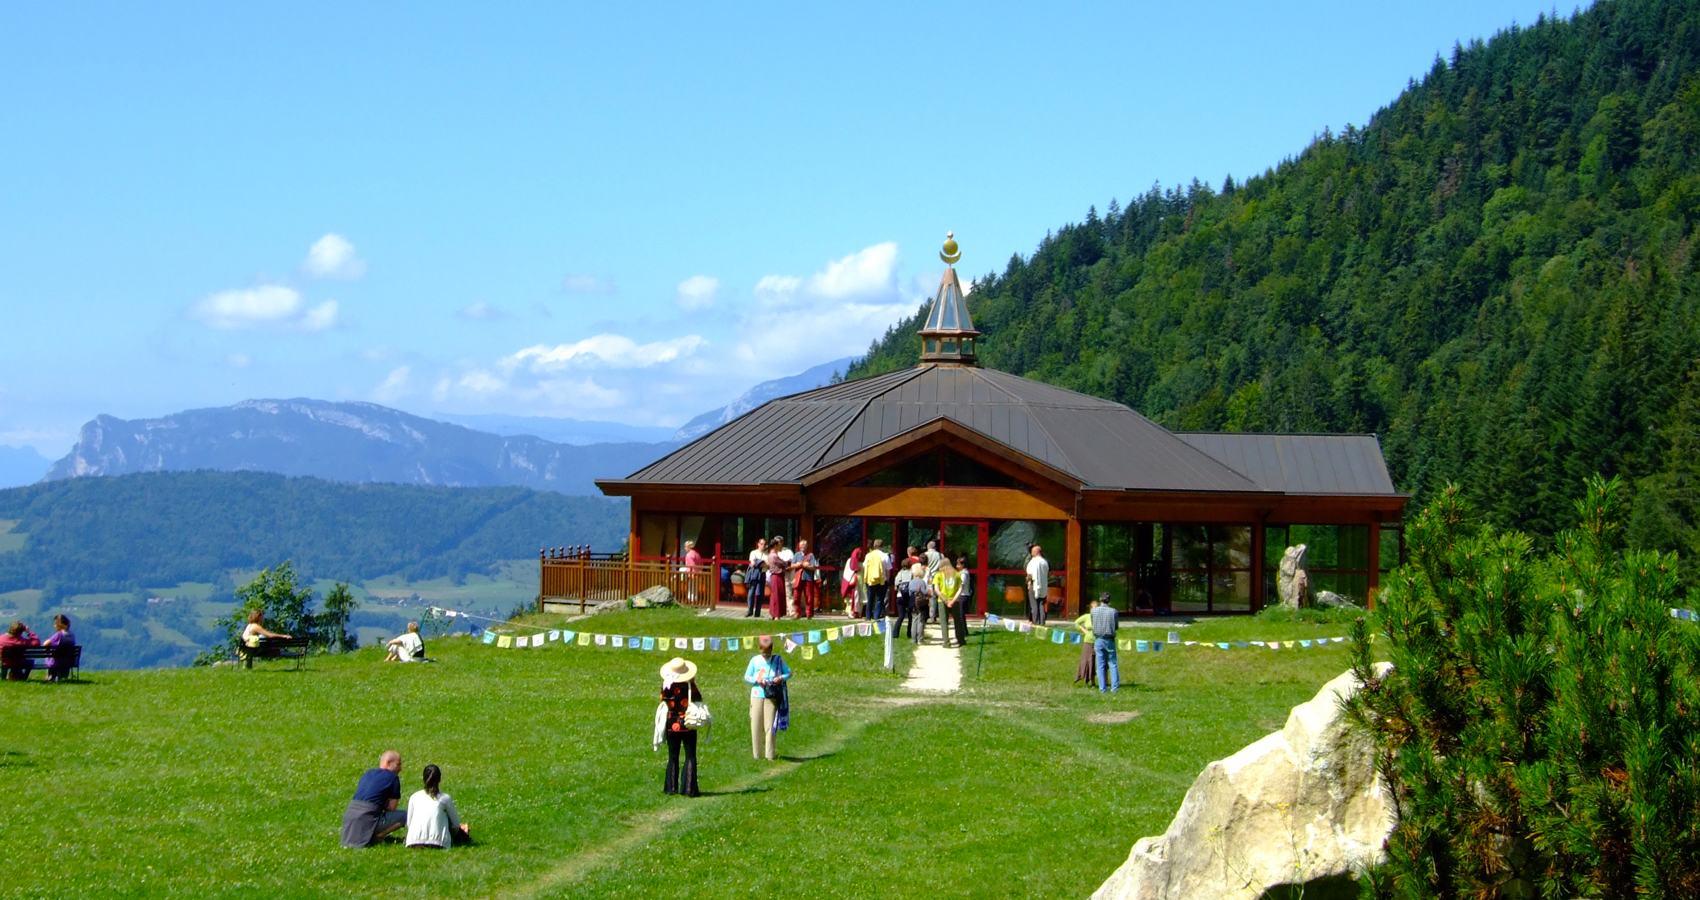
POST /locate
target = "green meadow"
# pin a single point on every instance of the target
(222, 782)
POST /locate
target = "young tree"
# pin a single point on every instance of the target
(287, 605)
(1540, 731)
(333, 622)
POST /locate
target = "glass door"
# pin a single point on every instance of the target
(967, 540)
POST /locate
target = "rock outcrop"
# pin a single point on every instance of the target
(1292, 582)
(1300, 806)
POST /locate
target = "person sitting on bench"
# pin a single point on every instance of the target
(256, 630)
(12, 662)
(62, 641)
(372, 812)
(410, 647)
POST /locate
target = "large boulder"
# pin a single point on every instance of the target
(1292, 582)
(655, 596)
(1300, 806)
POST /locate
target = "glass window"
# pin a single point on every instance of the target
(1191, 592)
(699, 529)
(963, 471)
(1191, 549)
(1230, 546)
(835, 537)
(1336, 557)
(1109, 546)
(1009, 544)
(949, 346)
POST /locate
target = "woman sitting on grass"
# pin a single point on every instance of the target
(431, 817)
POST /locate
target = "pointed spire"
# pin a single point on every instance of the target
(948, 335)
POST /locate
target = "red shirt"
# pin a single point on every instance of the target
(678, 697)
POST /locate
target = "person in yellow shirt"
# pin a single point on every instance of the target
(1087, 671)
(947, 587)
(875, 571)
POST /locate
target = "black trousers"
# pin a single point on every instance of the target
(959, 618)
(682, 781)
(905, 612)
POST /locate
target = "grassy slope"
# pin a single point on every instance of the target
(208, 783)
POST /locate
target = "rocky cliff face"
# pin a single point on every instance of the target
(357, 442)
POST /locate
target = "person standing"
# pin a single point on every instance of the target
(874, 571)
(932, 558)
(691, 572)
(964, 599)
(777, 567)
(903, 601)
(1038, 584)
(1104, 622)
(767, 675)
(919, 591)
(849, 580)
(1084, 671)
(372, 812)
(755, 579)
(807, 568)
(678, 689)
(947, 588)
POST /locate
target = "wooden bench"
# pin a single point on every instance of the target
(273, 648)
(71, 656)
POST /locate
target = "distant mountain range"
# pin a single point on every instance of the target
(819, 376)
(561, 431)
(364, 442)
(352, 442)
(21, 465)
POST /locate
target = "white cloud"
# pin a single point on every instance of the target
(837, 311)
(238, 360)
(697, 292)
(266, 306)
(586, 284)
(482, 311)
(613, 350)
(395, 386)
(332, 256)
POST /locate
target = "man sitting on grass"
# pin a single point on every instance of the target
(407, 648)
(372, 813)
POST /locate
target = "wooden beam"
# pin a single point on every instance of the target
(1075, 560)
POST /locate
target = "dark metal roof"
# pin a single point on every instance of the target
(1301, 463)
(1102, 444)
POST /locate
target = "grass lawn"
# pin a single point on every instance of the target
(217, 782)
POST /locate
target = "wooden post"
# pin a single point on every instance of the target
(1076, 570)
(1374, 563)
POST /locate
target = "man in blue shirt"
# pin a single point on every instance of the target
(1104, 643)
(372, 813)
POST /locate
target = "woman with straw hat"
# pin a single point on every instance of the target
(678, 689)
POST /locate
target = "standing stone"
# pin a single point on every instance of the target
(1300, 806)
(1292, 582)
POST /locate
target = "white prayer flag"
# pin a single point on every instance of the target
(699, 643)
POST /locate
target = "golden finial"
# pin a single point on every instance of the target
(951, 253)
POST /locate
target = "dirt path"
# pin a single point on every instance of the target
(937, 670)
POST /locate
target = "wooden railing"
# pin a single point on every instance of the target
(575, 575)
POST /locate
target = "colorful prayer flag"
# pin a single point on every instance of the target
(554, 636)
(1041, 632)
(880, 626)
(1142, 646)
(1174, 637)
(1010, 625)
(620, 641)
(664, 643)
(568, 637)
(734, 645)
(1156, 646)
(1124, 645)
(714, 643)
(489, 637)
(1304, 643)
(1077, 638)
(865, 628)
(825, 647)
(1026, 627)
(814, 637)
(993, 618)
(699, 643)
(833, 634)
(584, 639)
(808, 652)
(505, 641)
(649, 643)
(601, 640)
(1221, 646)
(1056, 637)
(789, 646)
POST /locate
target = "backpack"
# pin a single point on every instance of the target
(873, 568)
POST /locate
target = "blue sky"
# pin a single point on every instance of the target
(621, 212)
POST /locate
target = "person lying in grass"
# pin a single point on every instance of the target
(372, 813)
(432, 820)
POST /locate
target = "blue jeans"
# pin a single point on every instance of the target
(1104, 649)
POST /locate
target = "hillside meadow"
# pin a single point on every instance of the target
(222, 782)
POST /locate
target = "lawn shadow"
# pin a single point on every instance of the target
(752, 789)
(826, 755)
(15, 759)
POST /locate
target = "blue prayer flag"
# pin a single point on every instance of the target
(1304, 643)
(1142, 646)
(714, 643)
(649, 643)
(825, 647)
(1221, 645)
(1057, 637)
(1242, 644)
(734, 644)
(814, 637)
(1156, 646)
(489, 637)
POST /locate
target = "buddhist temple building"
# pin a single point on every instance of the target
(988, 463)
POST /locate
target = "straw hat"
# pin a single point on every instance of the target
(679, 669)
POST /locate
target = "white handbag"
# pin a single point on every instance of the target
(697, 716)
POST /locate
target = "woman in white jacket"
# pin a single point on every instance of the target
(431, 817)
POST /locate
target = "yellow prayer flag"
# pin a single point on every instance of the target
(832, 634)
(808, 651)
(664, 643)
(505, 640)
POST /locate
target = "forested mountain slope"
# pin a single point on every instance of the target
(1497, 274)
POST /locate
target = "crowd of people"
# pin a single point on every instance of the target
(15, 666)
